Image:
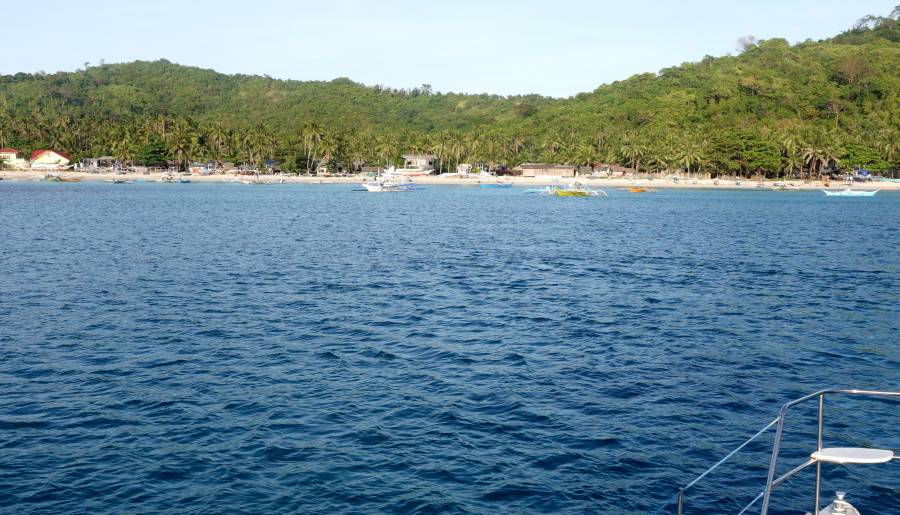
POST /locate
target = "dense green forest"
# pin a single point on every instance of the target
(776, 108)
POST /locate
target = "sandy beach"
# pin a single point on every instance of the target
(656, 183)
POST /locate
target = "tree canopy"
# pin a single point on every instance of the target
(775, 108)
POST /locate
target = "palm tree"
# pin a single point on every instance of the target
(688, 157)
(122, 148)
(386, 150)
(473, 146)
(218, 139)
(553, 146)
(632, 151)
(811, 156)
(312, 136)
(329, 148)
(585, 154)
(888, 143)
(518, 143)
(817, 157)
(791, 162)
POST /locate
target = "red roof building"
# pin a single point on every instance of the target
(7, 150)
(38, 153)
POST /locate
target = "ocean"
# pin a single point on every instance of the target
(210, 348)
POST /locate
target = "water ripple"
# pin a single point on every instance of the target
(311, 349)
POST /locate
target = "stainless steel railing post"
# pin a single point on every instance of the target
(819, 448)
(771, 481)
(776, 445)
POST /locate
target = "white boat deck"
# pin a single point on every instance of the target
(859, 455)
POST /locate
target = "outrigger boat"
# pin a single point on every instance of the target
(496, 184)
(850, 193)
(572, 190)
(390, 183)
(819, 456)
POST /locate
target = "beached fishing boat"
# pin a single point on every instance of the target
(850, 193)
(818, 456)
(409, 171)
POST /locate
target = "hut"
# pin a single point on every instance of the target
(546, 169)
(92, 164)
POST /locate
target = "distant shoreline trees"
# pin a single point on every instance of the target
(775, 109)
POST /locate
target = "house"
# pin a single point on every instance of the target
(546, 169)
(8, 154)
(418, 160)
(423, 162)
(49, 160)
(10, 158)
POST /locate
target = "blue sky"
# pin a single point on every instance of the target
(557, 48)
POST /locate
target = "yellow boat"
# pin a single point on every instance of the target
(571, 193)
(571, 190)
(637, 189)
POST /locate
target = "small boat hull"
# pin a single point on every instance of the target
(850, 193)
(375, 187)
(497, 185)
(568, 193)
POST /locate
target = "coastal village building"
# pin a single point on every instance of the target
(10, 158)
(552, 170)
(424, 161)
(49, 160)
(93, 164)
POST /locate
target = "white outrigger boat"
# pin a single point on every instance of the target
(820, 455)
(390, 183)
(850, 193)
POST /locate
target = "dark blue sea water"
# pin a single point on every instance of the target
(310, 348)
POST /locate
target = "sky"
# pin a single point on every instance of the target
(556, 48)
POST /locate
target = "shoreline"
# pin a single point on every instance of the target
(687, 183)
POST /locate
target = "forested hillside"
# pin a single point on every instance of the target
(774, 108)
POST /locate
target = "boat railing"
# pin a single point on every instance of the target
(772, 481)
